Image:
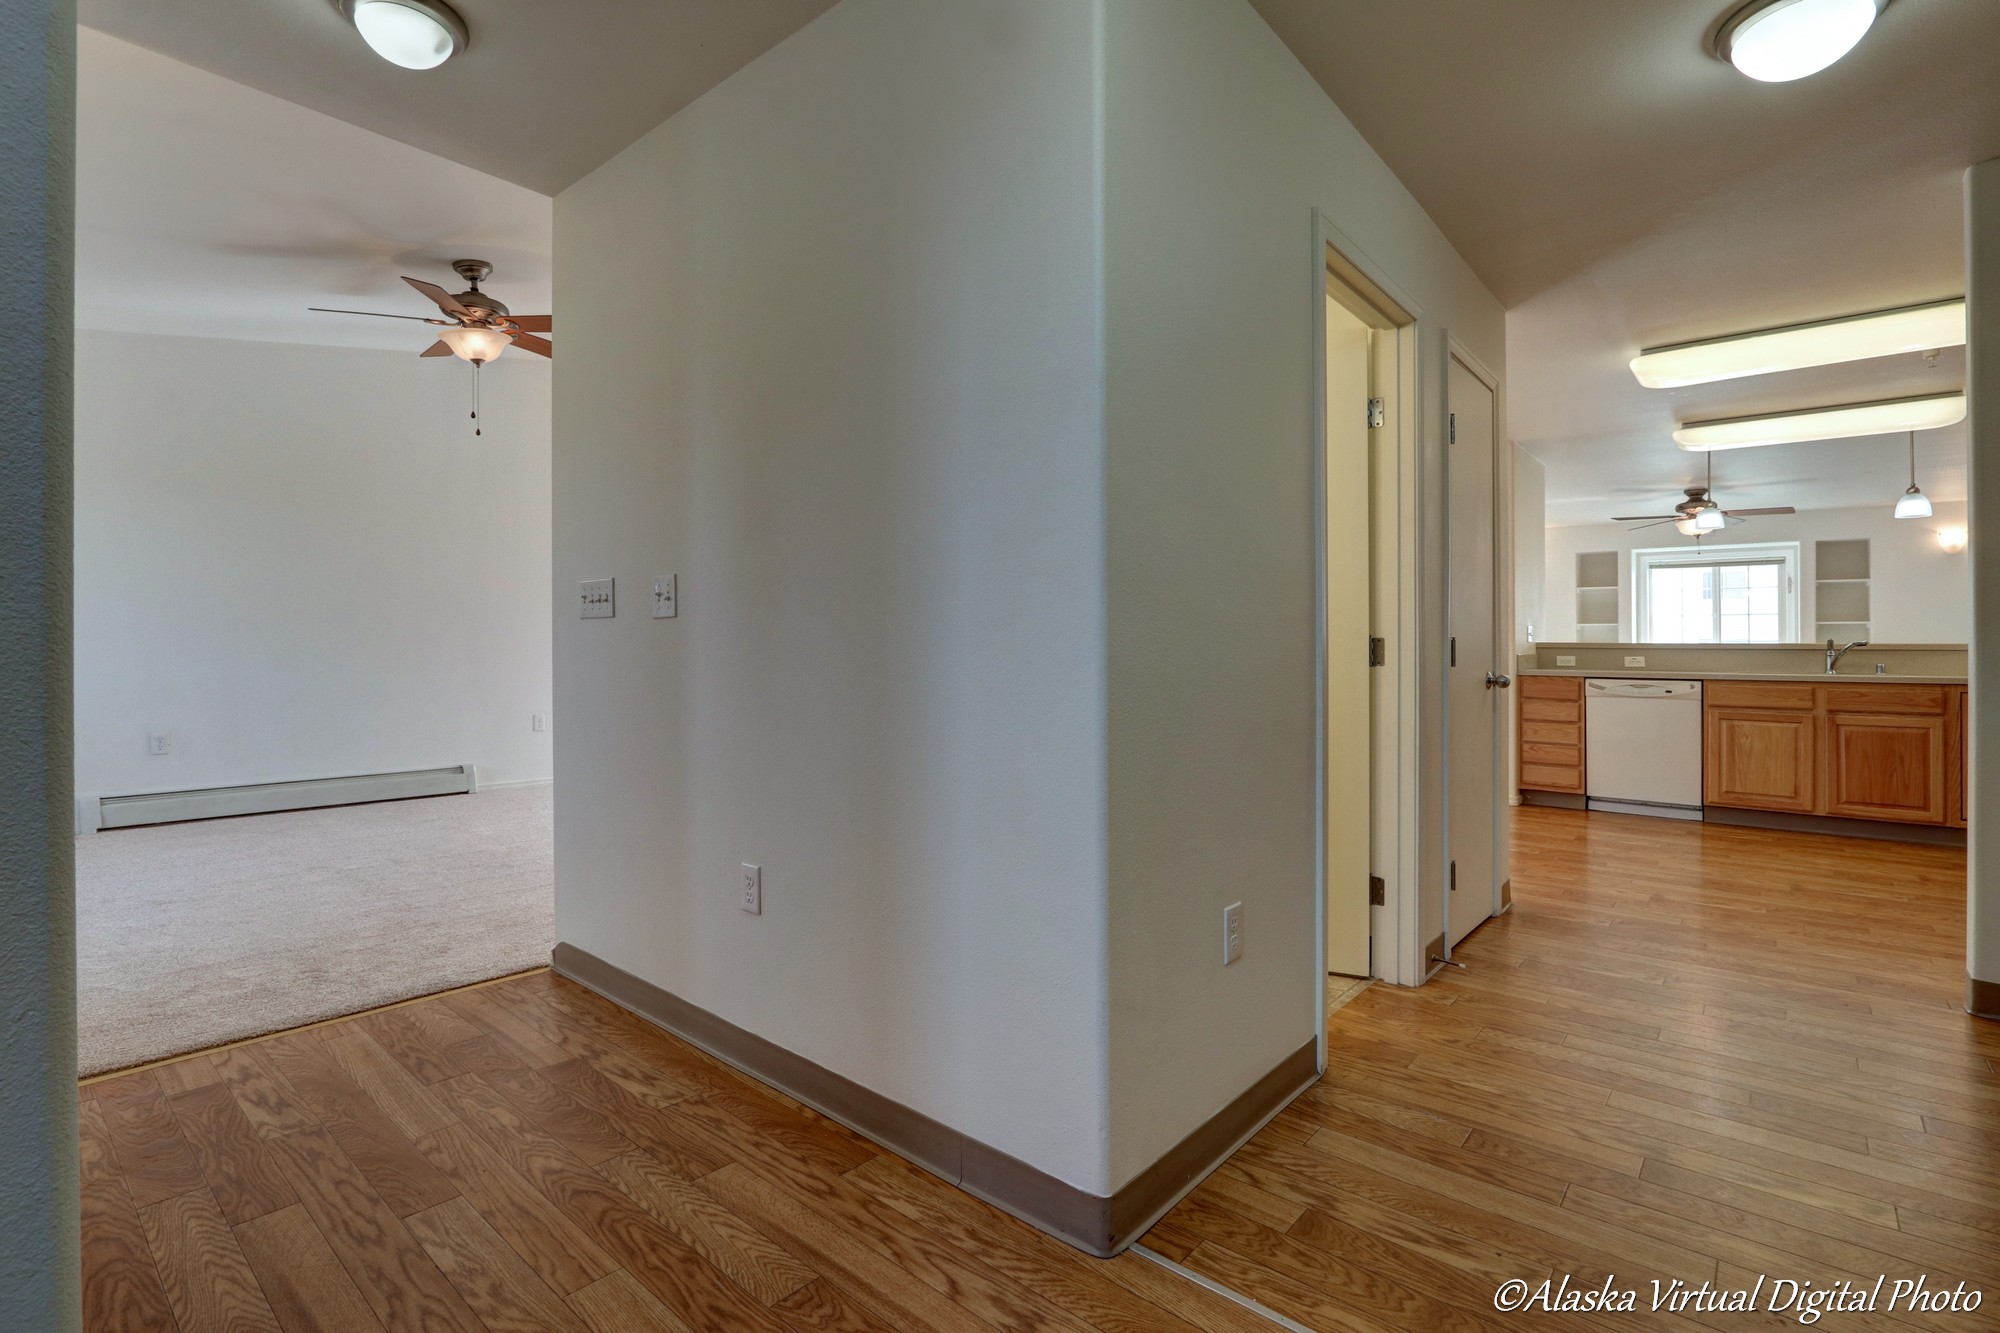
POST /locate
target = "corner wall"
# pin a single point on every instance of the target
(833, 356)
(1982, 286)
(40, 1268)
(1219, 146)
(300, 562)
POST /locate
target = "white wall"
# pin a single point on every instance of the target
(833, 355)
(1531, 538)
(1918, 593)
(300, 562)
(1219, 147)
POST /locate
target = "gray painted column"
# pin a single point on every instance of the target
(39, 1277)
(1982, 285)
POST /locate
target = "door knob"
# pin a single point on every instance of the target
(1499, 681)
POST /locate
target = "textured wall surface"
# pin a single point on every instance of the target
(38, 1204)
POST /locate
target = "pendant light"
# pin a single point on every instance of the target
(1914, 503)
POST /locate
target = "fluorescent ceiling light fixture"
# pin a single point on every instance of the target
(476, 344)
(416, 34)
(1776, 41)
(1890, 417)
(1826, 342)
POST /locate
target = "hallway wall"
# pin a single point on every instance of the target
(1219, 146)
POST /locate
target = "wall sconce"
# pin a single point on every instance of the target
(1951, 540)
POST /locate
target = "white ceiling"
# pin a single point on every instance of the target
(546, 90)
(1619, 188)
(208, 208)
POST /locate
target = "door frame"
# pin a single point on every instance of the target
(1395, 523)
(1497, 652)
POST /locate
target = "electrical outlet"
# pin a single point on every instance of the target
(1232, 933)
(1635, 661)
(159, 742)
(753, 889)
(538, 722)
(664, 605)
(598, 599)
(1565, 660)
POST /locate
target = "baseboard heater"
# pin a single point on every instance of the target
(263, 798)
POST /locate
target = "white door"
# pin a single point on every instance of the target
(1472, 703)
(1348, 727)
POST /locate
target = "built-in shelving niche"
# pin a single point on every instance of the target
(1597, 597)
(1840, 590)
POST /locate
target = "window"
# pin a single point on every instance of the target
(1717, 594)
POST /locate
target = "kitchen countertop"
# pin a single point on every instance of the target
(1843, 677)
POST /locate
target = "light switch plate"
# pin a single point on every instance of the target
(665, 600)
(1635, 661)
(598, 599)
(1565, 660)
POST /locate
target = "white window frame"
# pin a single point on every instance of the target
(1785, 554)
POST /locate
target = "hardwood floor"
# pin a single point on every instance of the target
(1690, 1052)
(525, 1155)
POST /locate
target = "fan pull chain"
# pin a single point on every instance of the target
(476, 429)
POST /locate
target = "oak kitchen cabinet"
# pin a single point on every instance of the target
(1877, 750)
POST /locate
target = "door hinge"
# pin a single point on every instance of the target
(1454, 651)
(1378, 891)
(1378, 651)
(1378, 412)
(1454, 877)
(1452, 421)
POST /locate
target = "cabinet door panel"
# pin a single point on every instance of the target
(1885, 767)
(1759, 760)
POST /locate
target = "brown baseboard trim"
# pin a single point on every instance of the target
(1878, 830)
(1982, 998)
(1095, 1224)
(1555, 800)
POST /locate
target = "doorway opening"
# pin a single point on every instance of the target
(1367, 364)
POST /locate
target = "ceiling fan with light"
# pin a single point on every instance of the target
(1699, 515)
(478, 328)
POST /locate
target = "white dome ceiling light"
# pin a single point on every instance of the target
(416, 34)
(1776, 41)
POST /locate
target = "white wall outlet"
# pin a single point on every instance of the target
(665, 605)
(159, 742)
(1635, 661)
(598, 595)
(1232, 933)
(1565, 659)
(538, 722)
(753, 889)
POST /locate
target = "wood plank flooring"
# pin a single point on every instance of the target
(527, 1156)
(1690, 1052)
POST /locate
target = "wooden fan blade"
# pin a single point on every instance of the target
(445, 300)
(1751, 513)
(438, 348)
(528, 342)
(376, 314)
(533, 323)
(1656, 524)
(1643, 518)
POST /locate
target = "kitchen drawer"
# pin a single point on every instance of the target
(1565, 755)
(1551, 777)
(1552, 710)
(1778, 694)
(1924, 699)
(1550, 687)
(1552, 733)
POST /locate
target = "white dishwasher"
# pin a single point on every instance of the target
(1642, 747)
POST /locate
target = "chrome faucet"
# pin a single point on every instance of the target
(1833, 655)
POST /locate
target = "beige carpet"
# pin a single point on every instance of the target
(189, 935)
